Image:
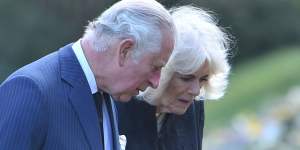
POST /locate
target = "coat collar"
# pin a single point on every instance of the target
(184, 127)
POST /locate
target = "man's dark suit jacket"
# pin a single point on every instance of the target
(137, 122)
(48, 105)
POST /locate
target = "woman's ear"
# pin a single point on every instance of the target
(125, 48)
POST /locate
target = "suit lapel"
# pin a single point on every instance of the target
(80, 96)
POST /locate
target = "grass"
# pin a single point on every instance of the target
(253, 82)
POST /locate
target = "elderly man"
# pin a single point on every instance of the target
(60, 101)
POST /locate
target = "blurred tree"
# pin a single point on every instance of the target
(258, 25)
(30, 29)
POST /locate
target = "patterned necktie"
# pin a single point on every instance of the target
(98, 99)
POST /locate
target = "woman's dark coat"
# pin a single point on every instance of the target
(137, 122)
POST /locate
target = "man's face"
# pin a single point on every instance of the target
(137, 77)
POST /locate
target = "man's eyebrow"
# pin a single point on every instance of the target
(204, 76)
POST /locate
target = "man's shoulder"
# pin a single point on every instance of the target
(39, 69)
(45, 69)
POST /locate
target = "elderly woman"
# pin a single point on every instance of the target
(171, 117)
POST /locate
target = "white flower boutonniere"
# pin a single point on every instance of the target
(123, 141)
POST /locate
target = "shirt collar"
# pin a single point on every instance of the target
(85, 66)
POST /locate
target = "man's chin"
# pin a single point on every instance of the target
(122, 98)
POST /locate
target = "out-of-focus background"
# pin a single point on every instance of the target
(261, 110)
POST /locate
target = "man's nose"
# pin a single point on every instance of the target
(154, 79)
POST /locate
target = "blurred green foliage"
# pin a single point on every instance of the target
(252, 82)
(30, 29)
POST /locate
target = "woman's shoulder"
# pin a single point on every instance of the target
(199, 106)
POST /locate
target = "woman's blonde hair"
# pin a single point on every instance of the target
(199, 38)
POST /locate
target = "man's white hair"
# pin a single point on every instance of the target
(140, 20)
(198, 39)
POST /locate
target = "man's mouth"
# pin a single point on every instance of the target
(136, 92)
(143, 89)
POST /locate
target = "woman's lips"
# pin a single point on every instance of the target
(184, 101)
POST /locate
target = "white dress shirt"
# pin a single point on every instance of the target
(107, 130)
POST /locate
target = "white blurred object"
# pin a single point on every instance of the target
(123, 141)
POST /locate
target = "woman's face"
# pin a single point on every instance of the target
(182, 89)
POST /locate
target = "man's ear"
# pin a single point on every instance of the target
(126, 47)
